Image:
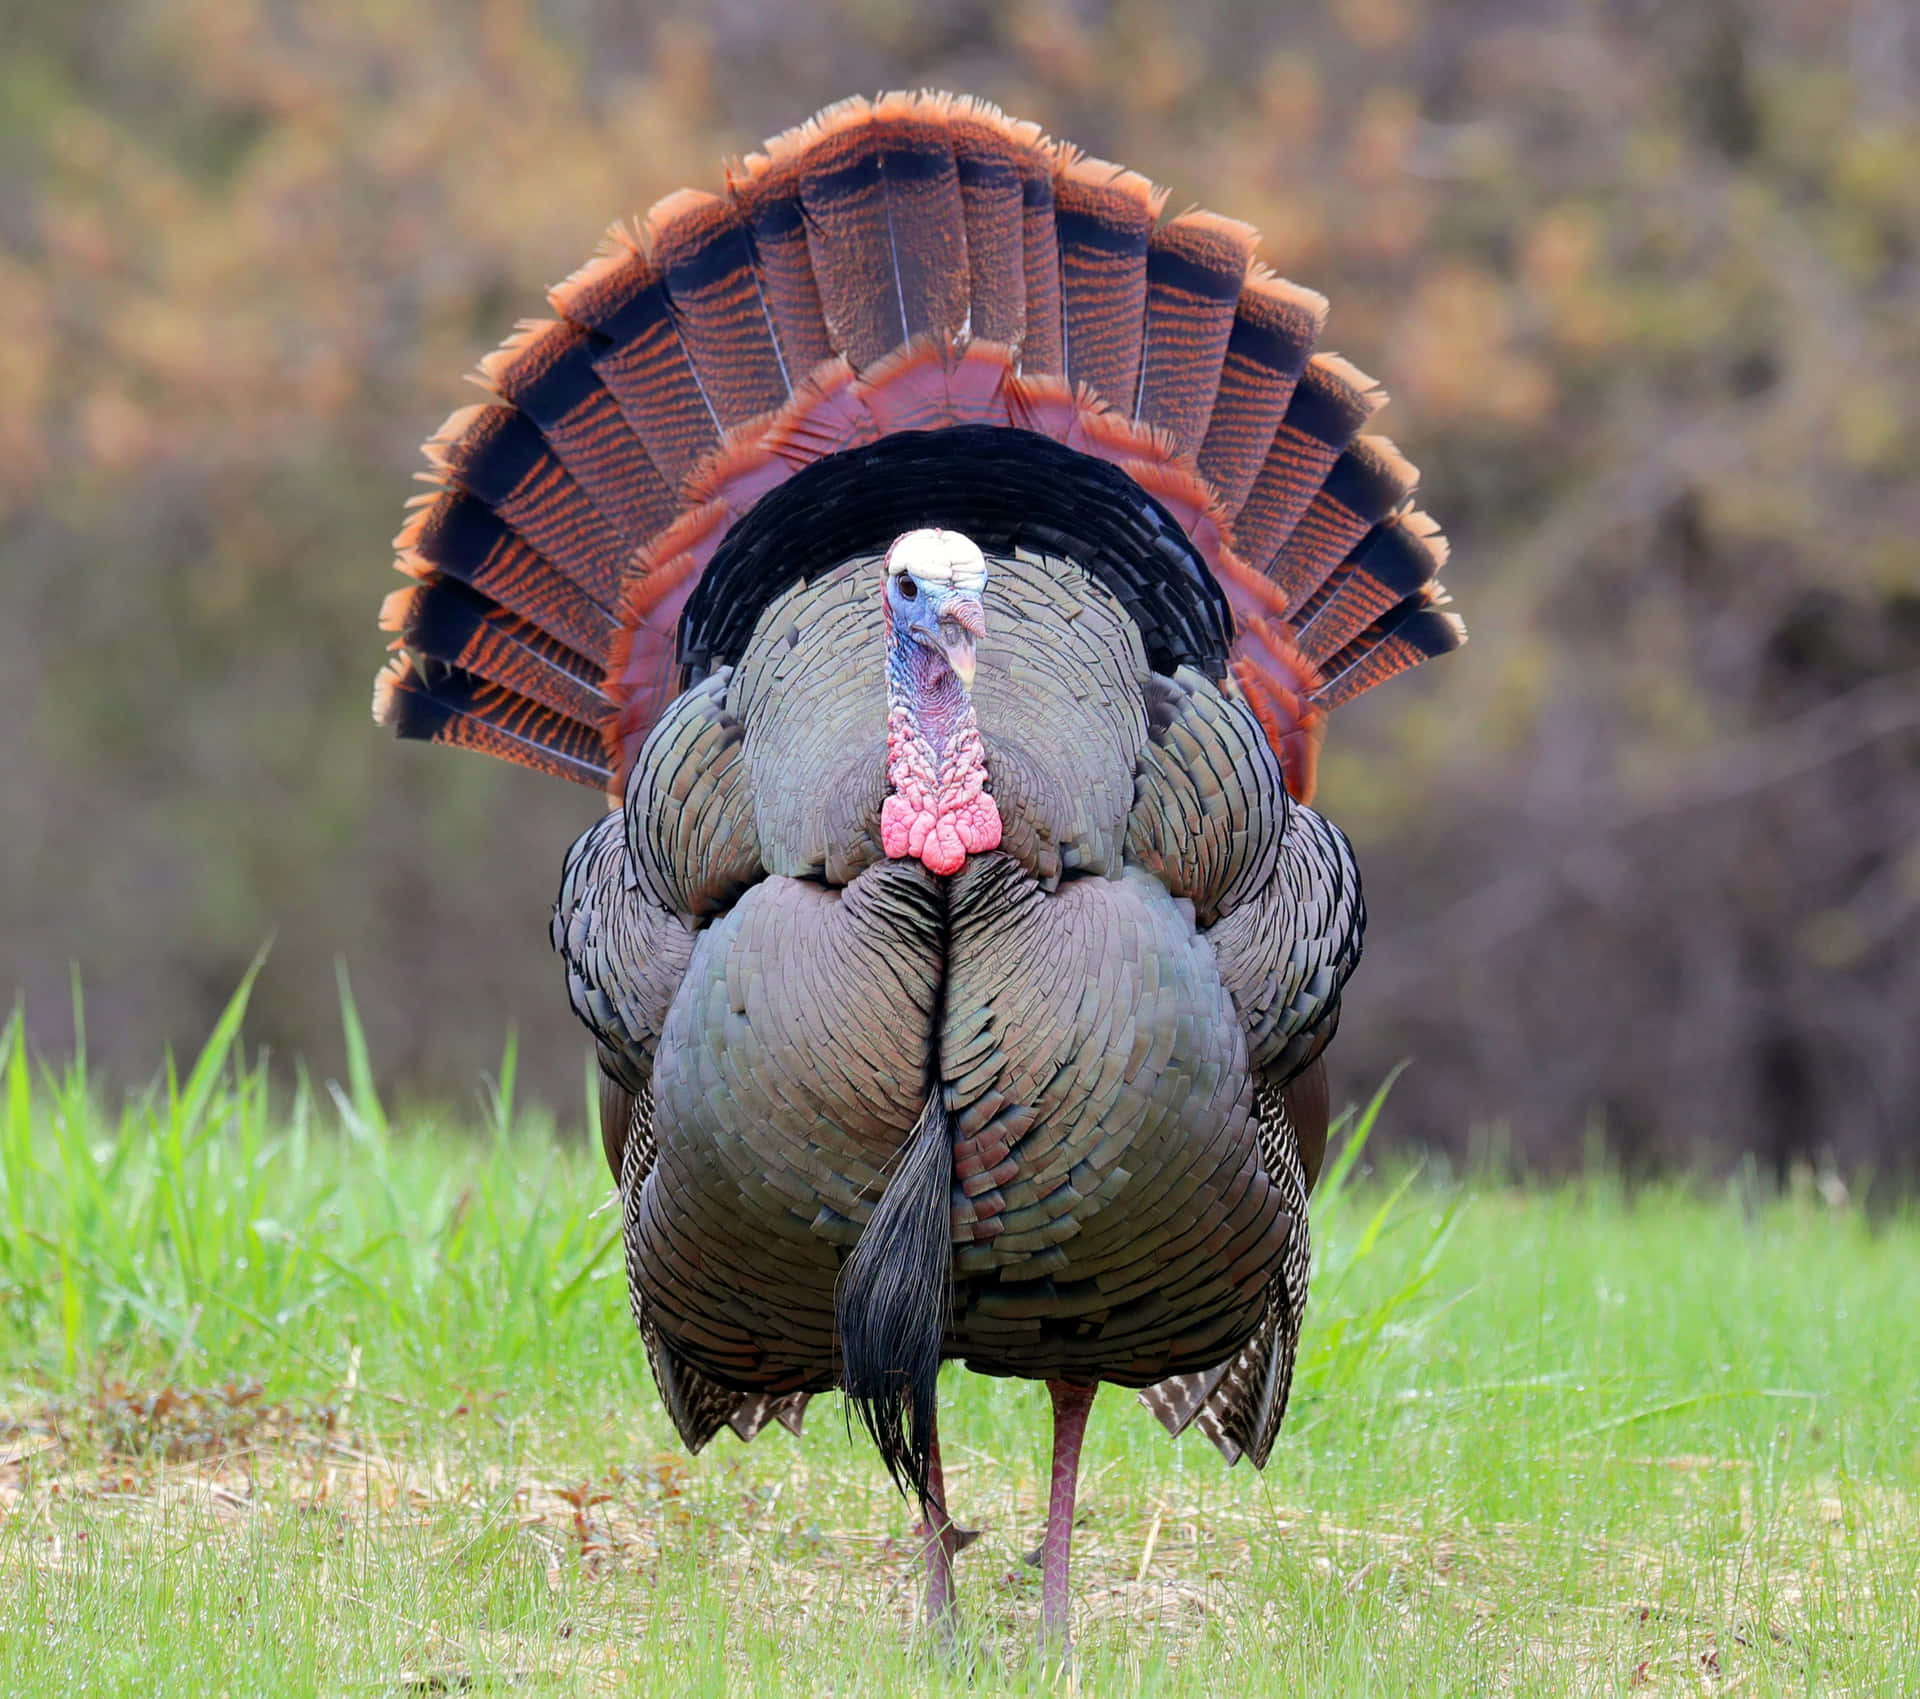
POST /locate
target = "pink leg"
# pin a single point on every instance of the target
(944, 1540)
(1070, 1406)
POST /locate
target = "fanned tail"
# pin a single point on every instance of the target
(910, 263)
(1275, 325)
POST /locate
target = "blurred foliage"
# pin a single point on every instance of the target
(1644, 279)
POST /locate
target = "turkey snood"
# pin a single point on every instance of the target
(939, 810)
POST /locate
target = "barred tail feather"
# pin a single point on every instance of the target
(1415, 631)
(768, 197)
(1044, 346)
(988, 156)
(445, 621)
(460, 709)
(885, 224)
(459, 537)
(1368, 483)
(1196, 267)
(498, 456)
(1275, 325)
(1396, 559)
(546, 370)
(1332, 400)
(621, 296)
(701, 247)
(1103, 217)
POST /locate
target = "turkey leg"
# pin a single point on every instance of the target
(945, 1539)
(1070, 1406)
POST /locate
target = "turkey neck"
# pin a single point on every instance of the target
(936, 766)
(933, 738)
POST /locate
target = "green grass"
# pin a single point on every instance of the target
(301, 1401)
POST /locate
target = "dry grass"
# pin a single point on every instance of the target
(531, 1564)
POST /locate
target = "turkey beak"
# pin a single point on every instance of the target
(962, 620)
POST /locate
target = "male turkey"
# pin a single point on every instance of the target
(948, 567)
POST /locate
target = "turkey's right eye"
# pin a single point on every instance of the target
(908, 589)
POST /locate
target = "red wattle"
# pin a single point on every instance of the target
(939, 818)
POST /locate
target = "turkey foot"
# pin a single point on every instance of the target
(1070, 1406)
(945, 1539)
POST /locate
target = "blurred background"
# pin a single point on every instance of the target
(1644, 282)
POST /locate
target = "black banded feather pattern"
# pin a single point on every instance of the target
(1401, 557)
(1370, 482)
(886, 225)
(1275, 325)
(447, 705)
(701, 246)
(546, 370)
(449, 623)
(1329, 404)
(1196, 269)
(767, 192)
(498, 456)
(458, 537)
(621, 296)
(990, 156)
(1416, 630)
(1103, 219)
(1043, 346)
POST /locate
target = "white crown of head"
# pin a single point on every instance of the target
(940, 557)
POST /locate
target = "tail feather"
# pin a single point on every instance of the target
(895, 1299)
(885, 223)
(1103, 218)
(768, 196)
(925, 387)
(1275, 325)
(987, 157)
(622, 296)
(457, 708)
(546, 370)
(1416, 630)
(498, 456)
(1329, 405)
(700, 243)
(464, 539)
(1044, 347)
(1398, 558)
(1369, 482)
(1196, 266)
(447, 622)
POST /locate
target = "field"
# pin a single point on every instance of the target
(300, 1401)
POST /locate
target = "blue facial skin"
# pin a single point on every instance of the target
(932, 617)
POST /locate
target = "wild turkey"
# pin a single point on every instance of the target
(949, 565)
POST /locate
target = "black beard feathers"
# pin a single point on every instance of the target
(894, 1302)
